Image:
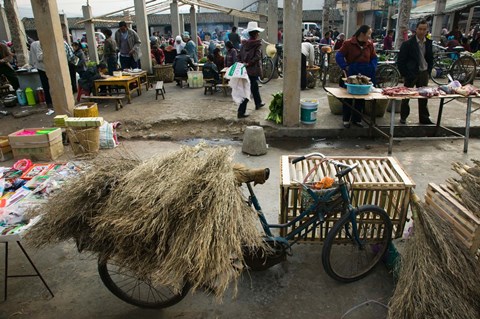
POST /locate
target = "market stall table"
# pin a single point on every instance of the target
(341, 93)
(124, 81)
(141, 74)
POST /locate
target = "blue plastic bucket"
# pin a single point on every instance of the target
(308, 111)
(358, 89)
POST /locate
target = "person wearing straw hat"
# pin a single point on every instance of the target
(251, 57)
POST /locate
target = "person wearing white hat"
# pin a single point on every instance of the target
(251, 57)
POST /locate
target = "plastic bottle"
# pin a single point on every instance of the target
(30, 96)
(40, 95)
(22, 99)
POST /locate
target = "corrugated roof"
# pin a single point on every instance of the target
(164, 19)
(429, 9)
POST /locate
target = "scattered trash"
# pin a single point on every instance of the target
(50, 112)
(4, 112)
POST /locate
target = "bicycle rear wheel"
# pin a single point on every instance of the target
(346, 260)
(140, 292)
(387, 76)
(441, 69)
(464, 69)
(267, 70)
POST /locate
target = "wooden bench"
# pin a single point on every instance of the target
(210, 86)
(159, 89)
(117, 98)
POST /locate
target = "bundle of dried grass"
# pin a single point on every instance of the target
(468, 187)
(174, 218)
(438, 277)
(69, 212)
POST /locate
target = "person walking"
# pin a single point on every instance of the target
(128, 43)
(109, 51)
(251, 57)
(357, 56)
(415, 62)
(36, 60)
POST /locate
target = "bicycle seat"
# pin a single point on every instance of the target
(244, 174)
(458, 48)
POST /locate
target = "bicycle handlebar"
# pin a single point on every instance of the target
(334, 162)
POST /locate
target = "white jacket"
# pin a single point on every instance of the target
(36, 56)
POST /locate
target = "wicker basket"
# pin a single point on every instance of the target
(84, 141)
(164, 73)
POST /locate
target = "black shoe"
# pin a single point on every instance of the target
(426, 121)
(259, 106)
(241, 116)
(403, 121)
(358, 124)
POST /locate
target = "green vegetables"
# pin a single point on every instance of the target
(476, 55)
(276, 108)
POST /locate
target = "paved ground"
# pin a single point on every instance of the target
(299, 287)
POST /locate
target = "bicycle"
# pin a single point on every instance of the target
(352, 248)
(387, 74)
(322, 58)
(452, 65)
(270, 64)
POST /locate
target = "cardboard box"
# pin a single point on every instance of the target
(17, 140)
(84, 122)
(5, 149)
(40, 152)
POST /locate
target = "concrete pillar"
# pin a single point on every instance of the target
(182, 23)
(327, 7)
(142, 31)
(128, 19)
(351, 18)
(193, 25)
(55, 58)
(292, 22)
(262, 9)
(4, 28)
(235, 21)
(272, 22)
(345, 22)
(175, 18)
(438, 19)
(451, 21)
(90, 30)
(390, 21)
(17, 31)
(65, 28)
(469, 20)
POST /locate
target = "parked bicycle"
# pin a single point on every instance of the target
(322, 59)
(353, 246)
(272, 63)
(454, 64)
(387, 74)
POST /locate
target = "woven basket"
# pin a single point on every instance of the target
(164, 73)
(84, 141)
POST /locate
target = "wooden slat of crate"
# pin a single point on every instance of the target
(441, 200)
(377, 180)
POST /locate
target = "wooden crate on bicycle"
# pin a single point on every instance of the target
(441, 200)
(379, 181)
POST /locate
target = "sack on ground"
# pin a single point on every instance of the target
(108, 135)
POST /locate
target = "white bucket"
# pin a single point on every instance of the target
(308, 111)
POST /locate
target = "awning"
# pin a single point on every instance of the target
(429, 9)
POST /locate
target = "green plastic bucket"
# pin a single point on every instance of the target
(308, 111)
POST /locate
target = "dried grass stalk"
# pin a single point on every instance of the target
(438, 277)
(182, 216)
(468, 187)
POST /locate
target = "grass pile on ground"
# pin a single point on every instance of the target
(181, 216)
(438, 276)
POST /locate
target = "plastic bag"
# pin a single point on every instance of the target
(108, 135)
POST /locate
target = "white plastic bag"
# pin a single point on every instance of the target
(108, 135)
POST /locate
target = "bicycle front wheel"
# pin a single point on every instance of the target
(464, 69)
(140, 292)
(441, 69)
(346, 258)
(387, 76)
(267, 70)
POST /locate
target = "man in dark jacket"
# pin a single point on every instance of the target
(251, 57)
(182, 64)
(415, 62)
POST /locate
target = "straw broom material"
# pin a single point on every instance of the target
(438, 277)
(172, 218)
(468, 186)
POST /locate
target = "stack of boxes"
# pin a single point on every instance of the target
(37, 143)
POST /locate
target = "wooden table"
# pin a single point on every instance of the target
(142, 75)
(341, 93)
(123, 81)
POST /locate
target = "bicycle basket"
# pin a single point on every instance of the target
(320, 171)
